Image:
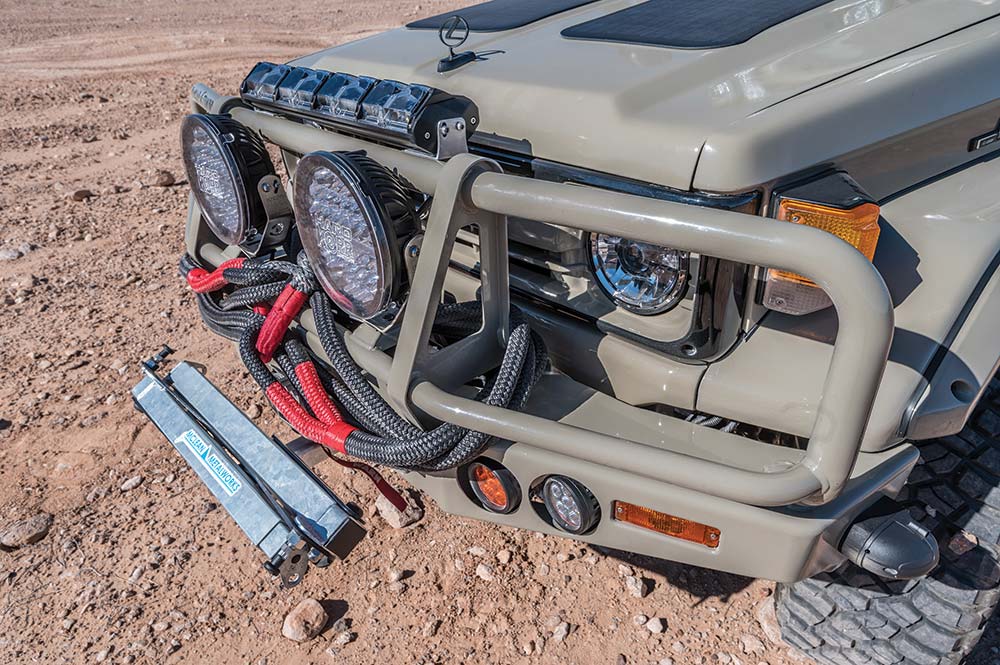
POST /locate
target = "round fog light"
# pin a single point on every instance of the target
(494, 486)
(572, 506)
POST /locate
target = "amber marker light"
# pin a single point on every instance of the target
(494, 486)
(794, 294)
(668, 525)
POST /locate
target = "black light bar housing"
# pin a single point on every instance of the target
(389, 110)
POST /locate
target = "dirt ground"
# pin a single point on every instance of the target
(93, 92)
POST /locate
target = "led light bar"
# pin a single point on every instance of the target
(408, 113)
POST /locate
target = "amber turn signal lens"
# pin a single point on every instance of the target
(857, 226)
(668, 525)
(494, 486)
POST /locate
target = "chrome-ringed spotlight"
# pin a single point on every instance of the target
(641, 277)
(225, 163)
(353, 216)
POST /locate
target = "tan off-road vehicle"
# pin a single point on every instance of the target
(714, 282)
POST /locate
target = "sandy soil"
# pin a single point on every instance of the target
(93, 93)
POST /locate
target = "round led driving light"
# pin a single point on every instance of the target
(572, 507)
(351, 213)
(224, 162)
(640, 276)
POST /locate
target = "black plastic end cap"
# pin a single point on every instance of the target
(887, 541)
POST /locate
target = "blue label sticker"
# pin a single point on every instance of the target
(215, 464)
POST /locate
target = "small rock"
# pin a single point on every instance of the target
(477, 551)
(751, 644)
(131, 483)
(164, 179)
(68, 624)
(625, 571)
(137, 574)
(26, 532)
(398, 587)
(305, 621)
(678, 647)
(344, 637)
(504, 556)
(102, 655)
(395, 575)
(665, 661)
(723, 658)
(9, 254)
(560, 632)
(768, 620)
(656, 625)
(395, 518)
(253, 412)
(636, 586)
(621, 660)
(640, 619)
(962, 542)
(82, 195)
(431, 628)
(484, 572)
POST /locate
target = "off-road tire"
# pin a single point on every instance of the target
(851, 616)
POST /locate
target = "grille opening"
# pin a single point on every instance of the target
(745, 430)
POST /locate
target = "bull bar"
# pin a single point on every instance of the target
(471, 190)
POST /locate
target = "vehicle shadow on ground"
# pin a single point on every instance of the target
(702, 583)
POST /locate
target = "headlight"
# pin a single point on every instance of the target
(353, 214)
(224, 162)
(639, 276)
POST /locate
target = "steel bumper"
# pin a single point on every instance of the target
(722, 477)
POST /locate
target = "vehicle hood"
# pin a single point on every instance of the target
(646, 112)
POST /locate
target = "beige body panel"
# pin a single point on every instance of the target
(646, 112)
(937, 243)
(859, 115)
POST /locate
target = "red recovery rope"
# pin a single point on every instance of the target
(202, 281)
(324, 408)
(327, 427)
(288, 305)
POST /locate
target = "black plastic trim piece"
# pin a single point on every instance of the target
(691, 25)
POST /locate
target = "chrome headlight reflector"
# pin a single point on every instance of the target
(351, 213)
(640, 276)
(224, 162)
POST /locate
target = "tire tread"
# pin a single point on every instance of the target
(851, 617)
